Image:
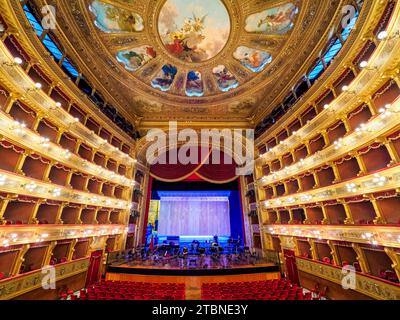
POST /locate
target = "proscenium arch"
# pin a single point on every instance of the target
(247, 145)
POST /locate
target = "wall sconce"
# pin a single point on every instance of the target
(37, 87)
(384, 35)
(45, 142)
(30, 186)
(19, 128)
(56, 192)
(74, 121)
(57, 106)
(379, 180)
(3, 180)
(364, 65)
(361, 129)
(67, 154)
(346, 89)
(352, 187)
(387, 110)
(16, 62)
(338, 144)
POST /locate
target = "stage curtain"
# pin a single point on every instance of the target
(194, 216)
(177, 172)
(218, 173)
(146, 217)
(214, 173)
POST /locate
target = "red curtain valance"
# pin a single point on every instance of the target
(205, 169)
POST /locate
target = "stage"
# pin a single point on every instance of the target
(128, 268)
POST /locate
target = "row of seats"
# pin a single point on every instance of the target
(124, 290)
(260, 290)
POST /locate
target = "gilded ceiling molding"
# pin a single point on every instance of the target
(288, 50)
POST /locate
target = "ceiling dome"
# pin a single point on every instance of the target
(195, 60)
(187, 37)
(194, 31)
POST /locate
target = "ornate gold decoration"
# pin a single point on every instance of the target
(19, 285)
(384, 236)
(366, 285)
(84, 41)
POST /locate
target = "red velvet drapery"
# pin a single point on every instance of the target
(148, 199)
(93, 273)
(205, 168)
(291, 266)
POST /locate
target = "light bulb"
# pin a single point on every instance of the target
(31, 186)
(18, 60)
(67, 154)
(57, 192)
(3, 180)
(382, 35)
(38, 85)
(363, 64)
(45, 142)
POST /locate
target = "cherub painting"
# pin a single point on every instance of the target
(194, 84)
(165, 77)
(194, 31)
(253, 59)
(225, 79)
(110, 18)
(278, 20)
(135, 58)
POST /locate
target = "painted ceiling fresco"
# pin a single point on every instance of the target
(110, 18)
(277, 20)
(192, 32)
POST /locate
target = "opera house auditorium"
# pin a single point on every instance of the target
(199, 150)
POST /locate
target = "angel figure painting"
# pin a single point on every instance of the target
(194, 31)
(277, 20)
(135, 58)
(225, 79)
(165, 77)
(113, 19)
(253, 59)
(194, 84)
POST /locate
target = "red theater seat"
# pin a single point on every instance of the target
(262, 290)
(123, 290)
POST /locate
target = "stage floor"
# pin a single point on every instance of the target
(190, 268)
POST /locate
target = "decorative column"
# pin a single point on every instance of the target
(333, 252)
(361, 258)
(395, 257)
(49, 253)
(20, 259)
(71, 250)
(361, 164)
(313, 249)
(392, 152)
(349, 217)
(32, 219)
(380, 219)
(326, 218)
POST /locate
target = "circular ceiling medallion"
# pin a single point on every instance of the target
(194, 31)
